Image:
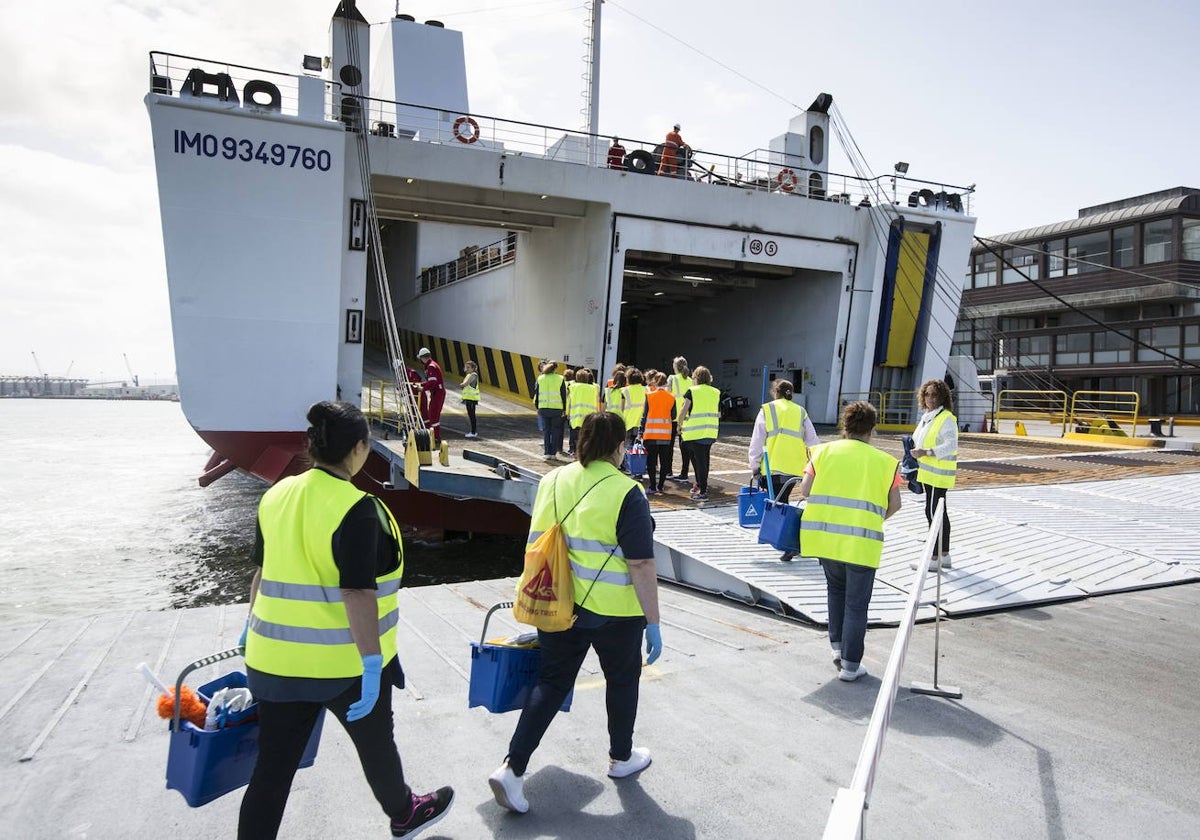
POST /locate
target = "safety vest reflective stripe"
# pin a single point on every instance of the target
(853, 504)
(846, 530)
(843, 519)
(313, 592)
(590, 531)
(582, 572)
(549, 387)
(937, 472)
(659, 405)
(679, 385)
(315, 636)
(634, 399)
(299, 625)
(704, 419)
(580, 544)
(471, 392)
(787, 450)
(583, 399)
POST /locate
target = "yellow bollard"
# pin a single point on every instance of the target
(1021, 429)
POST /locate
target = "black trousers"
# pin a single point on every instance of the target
(932, 495)
(658, 461)
(283, 733)
(618, 644)
(698, 452)
(471, 405)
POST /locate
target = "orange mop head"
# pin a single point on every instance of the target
(191, 707)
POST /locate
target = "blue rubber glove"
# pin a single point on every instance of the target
(242, 638)
(372, 668)
(653, 643)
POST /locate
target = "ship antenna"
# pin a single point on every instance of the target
(591, 80)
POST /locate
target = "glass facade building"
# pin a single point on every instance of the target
(1109, 301)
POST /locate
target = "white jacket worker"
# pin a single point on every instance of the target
(785, 432)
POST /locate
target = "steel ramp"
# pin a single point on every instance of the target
(1012, 547)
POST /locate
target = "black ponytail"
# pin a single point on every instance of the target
(334, 429)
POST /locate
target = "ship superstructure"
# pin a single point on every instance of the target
(509, 242)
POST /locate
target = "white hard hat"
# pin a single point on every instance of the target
(423, 352)
(677, 126)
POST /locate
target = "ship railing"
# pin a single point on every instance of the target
(472, 260)
(239, 86)
(760, 170)
(382, 405)
(847, 817)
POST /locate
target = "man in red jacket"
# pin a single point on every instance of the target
(435, 387)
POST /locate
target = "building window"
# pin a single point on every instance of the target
(1123, 247)
(1191, 239)
(1087, 252)
(1033, 351)
(985, 270)
(1156, 242)
(1024, 265)
(1166, 339)
(1191, 342)
(1073, 349)
(1055, 265)
(1110, 348)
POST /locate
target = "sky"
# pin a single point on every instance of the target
(1046, 107)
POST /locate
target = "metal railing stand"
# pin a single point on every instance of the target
(935, 689)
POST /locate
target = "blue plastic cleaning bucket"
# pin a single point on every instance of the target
(751, 502)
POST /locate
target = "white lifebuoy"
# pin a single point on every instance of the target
(786, 179)
(466, 138)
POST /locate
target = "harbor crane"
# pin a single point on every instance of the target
(37, 364)
(129, 368)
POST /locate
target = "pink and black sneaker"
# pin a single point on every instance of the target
(427, 810)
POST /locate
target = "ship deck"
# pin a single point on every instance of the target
(1035, 520)
(1076, 721)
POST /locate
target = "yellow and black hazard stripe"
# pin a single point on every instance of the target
(501, 370)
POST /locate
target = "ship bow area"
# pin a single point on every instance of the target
(252, 210)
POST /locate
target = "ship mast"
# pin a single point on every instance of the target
(591, 78)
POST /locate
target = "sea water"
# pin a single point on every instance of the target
(100, 511)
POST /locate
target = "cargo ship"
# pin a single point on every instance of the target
(322, 225)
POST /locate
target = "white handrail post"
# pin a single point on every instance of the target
(934, 689)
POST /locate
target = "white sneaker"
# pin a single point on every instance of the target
(509, 789)
(847, 675)
(470, 436)
(638, 761)
(946, 564)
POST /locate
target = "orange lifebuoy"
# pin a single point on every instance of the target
(466, 138)
(786, 179)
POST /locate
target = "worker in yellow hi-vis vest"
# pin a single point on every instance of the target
(851, 487)
(322, 628)
(935, 446)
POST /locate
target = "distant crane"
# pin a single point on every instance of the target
(38, 364)
(68, 373)
(129, 368)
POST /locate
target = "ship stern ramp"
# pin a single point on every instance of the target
(1013, 547)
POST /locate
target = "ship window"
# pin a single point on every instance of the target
(816, 144)
(1191, 239)
(1055, 266)
(1156, 242)
(1123, 246)
(1087, 252)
